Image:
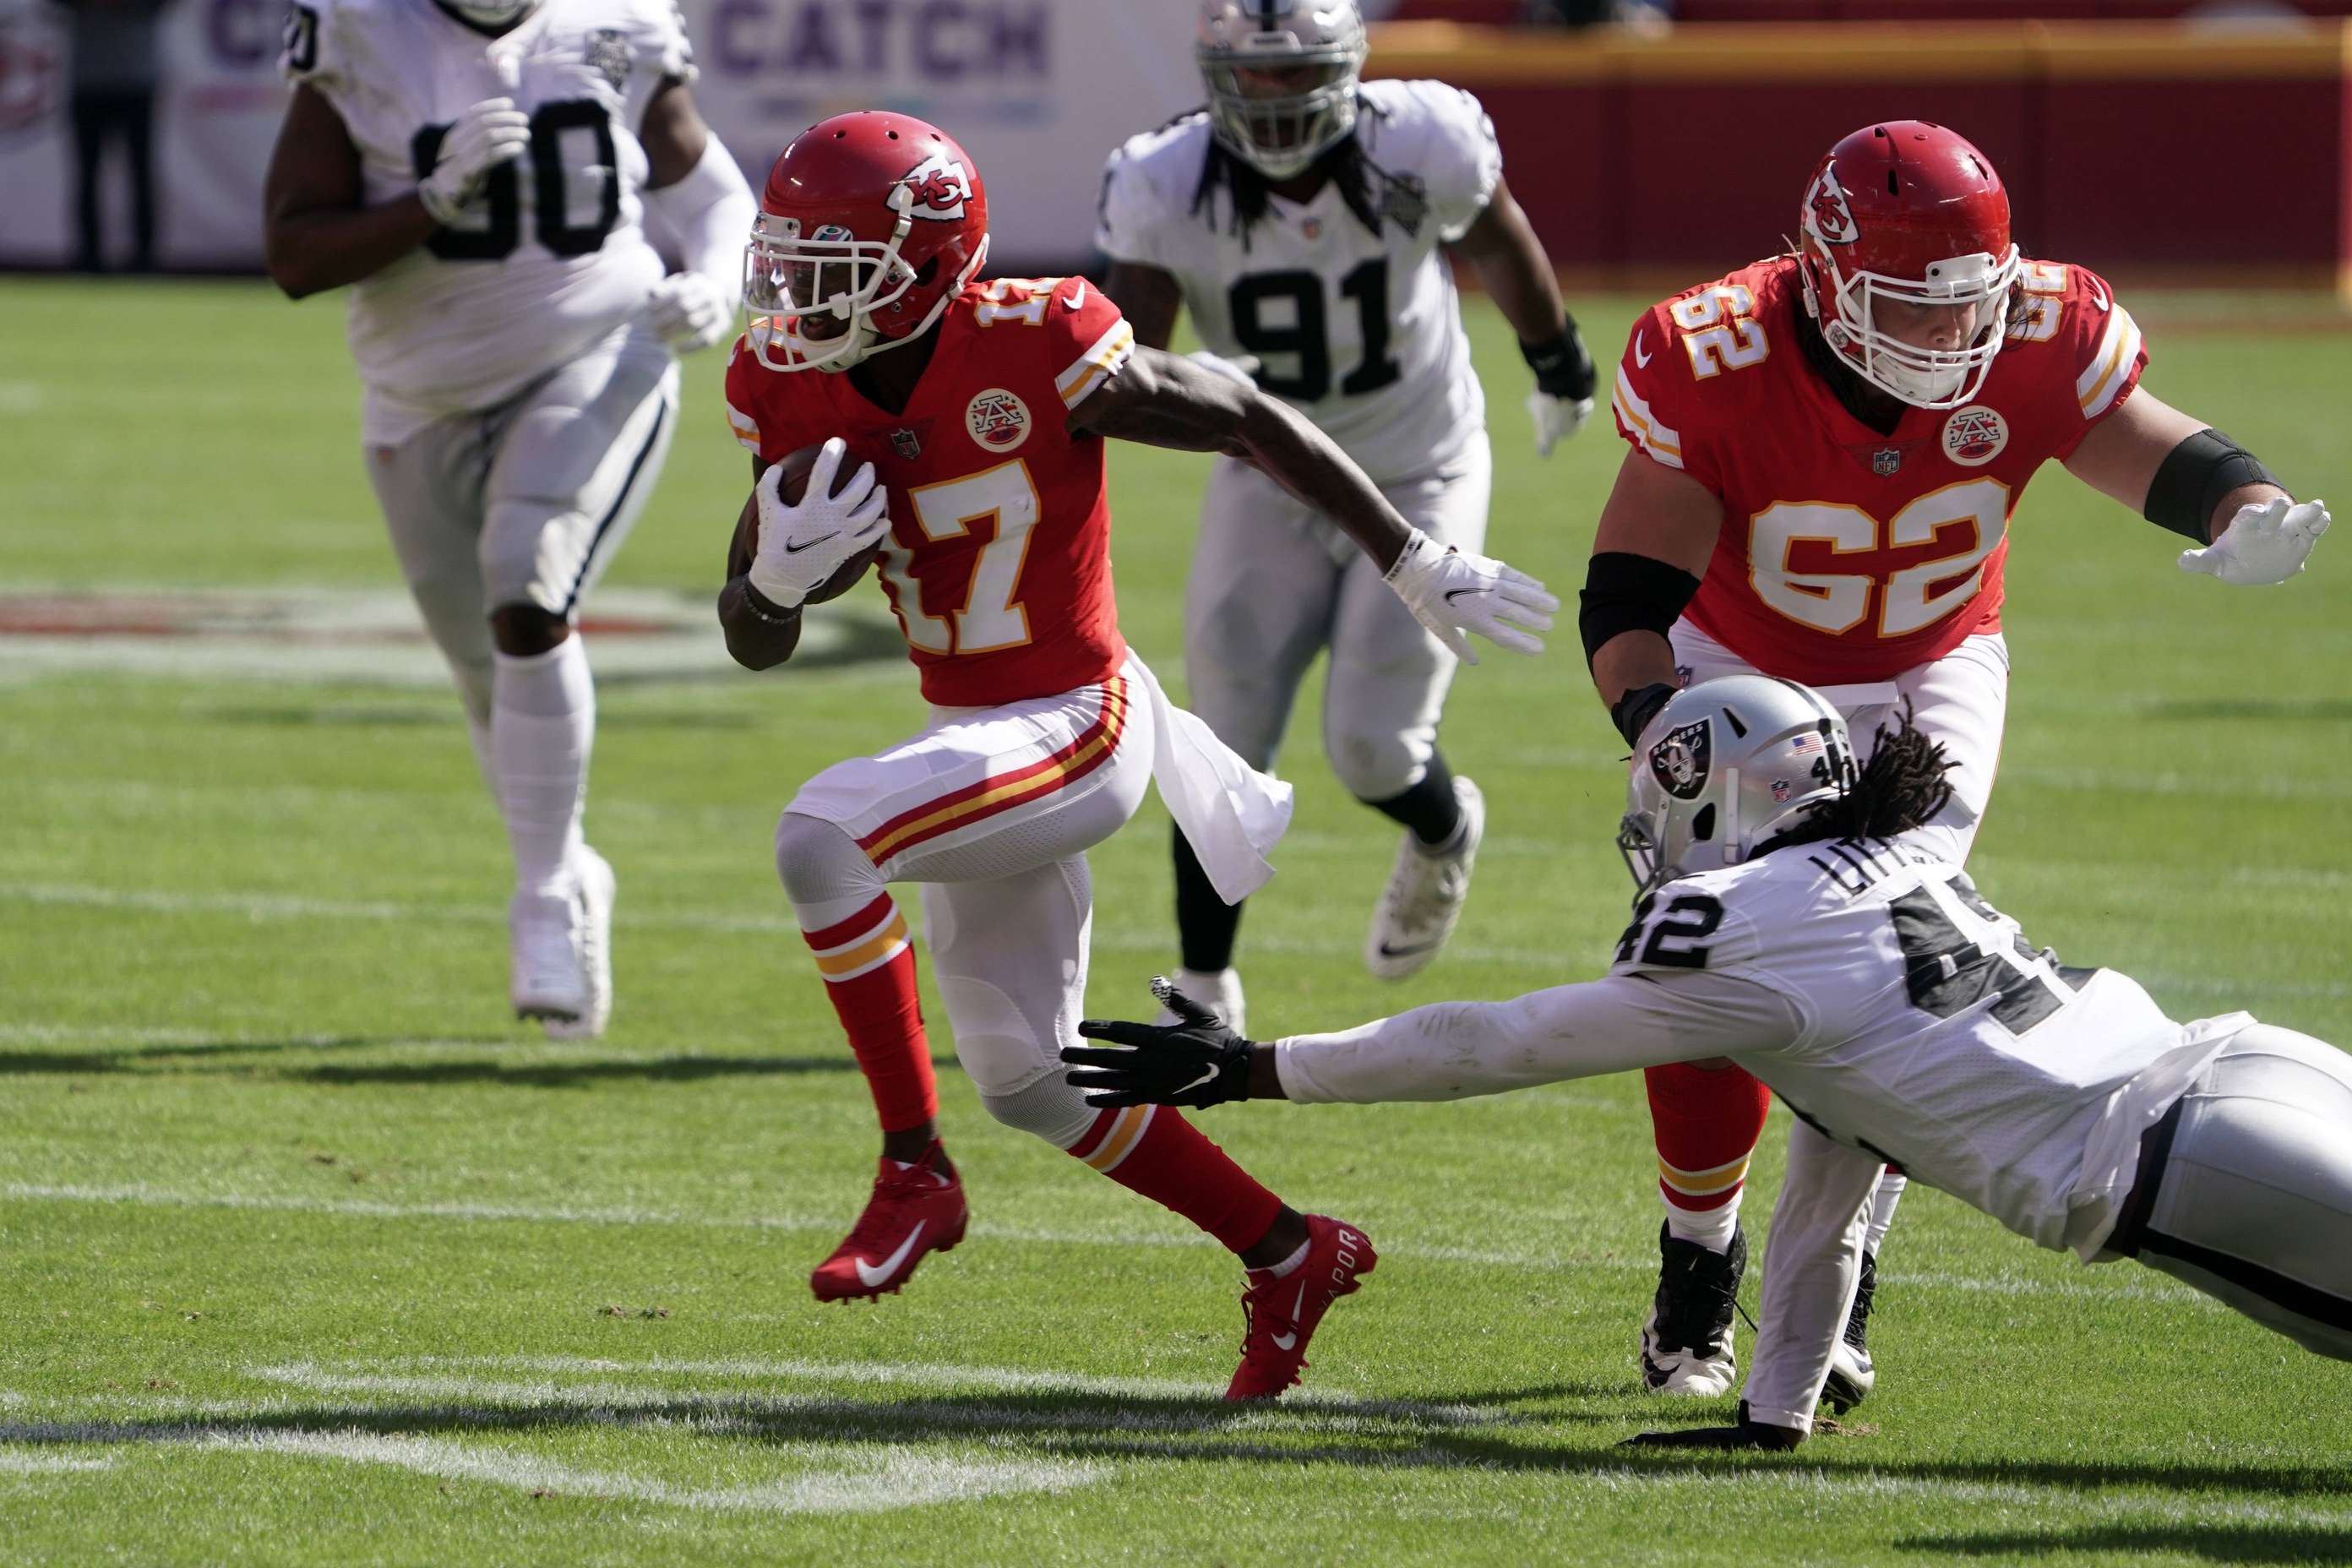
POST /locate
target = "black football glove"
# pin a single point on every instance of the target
(1747, 1435)
(1196, 1063)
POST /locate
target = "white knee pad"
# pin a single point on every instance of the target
(1379, 764)
(821, 865)
(998, 1047)
(1049, 1108)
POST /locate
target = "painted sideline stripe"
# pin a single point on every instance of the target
(259, 907)
(2151, 1288)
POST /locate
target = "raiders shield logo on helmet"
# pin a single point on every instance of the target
(1681, 761)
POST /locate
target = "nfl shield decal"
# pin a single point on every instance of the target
(1975, 436)
(998, 420)
(1682, 759)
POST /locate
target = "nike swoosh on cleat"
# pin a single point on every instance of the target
(792, 549)
(1290, 1340)
(1641, 360)
(873, 1277)
(1407, 952)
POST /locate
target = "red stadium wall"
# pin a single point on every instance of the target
(2146, 150)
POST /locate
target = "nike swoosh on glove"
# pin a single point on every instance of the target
(1196, 1063)
(491, 133)
(2263, 545)
(801, 546)
(689, 313)
(1556, 418)
(1452, 593)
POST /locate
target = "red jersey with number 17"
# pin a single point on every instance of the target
(998, 562)
(1846, 555)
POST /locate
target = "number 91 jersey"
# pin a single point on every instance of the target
(998, 561)
(552, 259)
(1356, 326)
(1845, 555)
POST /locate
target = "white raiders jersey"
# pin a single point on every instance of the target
(1929, 1033)
(555, 258)
(1359, 332)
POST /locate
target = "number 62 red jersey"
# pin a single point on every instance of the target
(998, 563)
(1845, 555)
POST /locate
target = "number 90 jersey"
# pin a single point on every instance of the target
(1845, 555)
(553, 257)
(998, 562)
(1359, 329)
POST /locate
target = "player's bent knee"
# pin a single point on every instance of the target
(523, 631)
(819, 862)
(1376, 766)
(996, 1042)
(1049, 1108)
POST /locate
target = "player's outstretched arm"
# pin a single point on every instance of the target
(1149, 297)
(1162, 400)
(2183, 475)
(1657, 532)
(1501, 246)
(316, 233)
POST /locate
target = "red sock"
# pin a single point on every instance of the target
(869, 973)
(1152, 1149)
(1706, 1124)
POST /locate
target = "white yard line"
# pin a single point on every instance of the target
(19, 1462)
(2118, 1284)
(917, 1375)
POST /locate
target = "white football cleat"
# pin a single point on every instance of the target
(1418, 909)
(562, 950)
(1220, 992)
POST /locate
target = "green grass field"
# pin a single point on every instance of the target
(308, 1254)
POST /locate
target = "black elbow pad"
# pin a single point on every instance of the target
(1629, 593)
(2194, 477)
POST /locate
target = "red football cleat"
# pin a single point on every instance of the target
(1282, 1312)
(914, 1210)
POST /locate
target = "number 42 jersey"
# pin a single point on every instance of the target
(1845, 555)
(553, 258)
(998, 560)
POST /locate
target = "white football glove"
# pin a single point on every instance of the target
(491, 133)
(1452, 593)
(1557, 418)
(800, 546)
(689, 313)
(2263, 545)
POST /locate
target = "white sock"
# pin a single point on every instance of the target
(1881, 1209)
(478, 733)
(1288, 1265)
(542, 726)
(1711, 1228)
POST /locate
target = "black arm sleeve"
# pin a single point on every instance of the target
(2194, 477)
(1629, 593)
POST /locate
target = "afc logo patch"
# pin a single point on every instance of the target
(937, 188)
(1975, 436)
(1681, 761)
(1826, 212)
(998, 420)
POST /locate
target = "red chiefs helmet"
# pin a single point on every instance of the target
(870, 224)
(1908, 215)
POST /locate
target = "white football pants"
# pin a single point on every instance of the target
(527, 502)
(1960, 700)
(1008, 902)
(1273, 583)
(2254, 1206)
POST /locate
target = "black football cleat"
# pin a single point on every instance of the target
(1748, 1434)
(1852, 1375)
(1686, 1341)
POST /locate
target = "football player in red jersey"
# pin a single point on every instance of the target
(1827, 449)
(975, 414)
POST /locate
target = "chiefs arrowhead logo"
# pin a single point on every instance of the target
(937, 188)
(1826, 213)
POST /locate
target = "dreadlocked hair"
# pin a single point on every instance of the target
(1901, 787)
(1344, 165)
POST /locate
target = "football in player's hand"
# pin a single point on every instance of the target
(790, 488)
